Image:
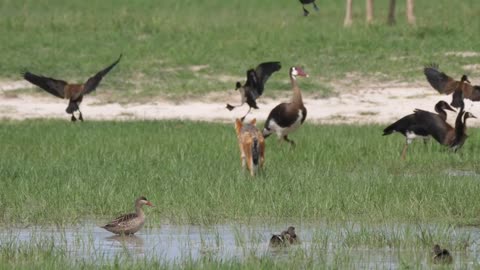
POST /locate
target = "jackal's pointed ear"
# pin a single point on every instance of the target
(254, 121)
(238, 125)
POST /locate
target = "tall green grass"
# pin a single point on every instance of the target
(162, 40)
(58, 172)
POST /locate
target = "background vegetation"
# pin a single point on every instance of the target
(56, 172)
(193, 47)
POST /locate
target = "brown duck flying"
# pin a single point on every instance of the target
(255, 84)
(74, 92)
(445, 84)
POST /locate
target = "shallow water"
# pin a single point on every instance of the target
(326, 243)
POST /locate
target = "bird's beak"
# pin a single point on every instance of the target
(472, 116)
(450, 109)
(149, 204)
(468, 81)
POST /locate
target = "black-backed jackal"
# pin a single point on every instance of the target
(252, 145)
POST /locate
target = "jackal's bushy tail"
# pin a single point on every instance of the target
(255, 152)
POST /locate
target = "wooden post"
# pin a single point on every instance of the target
(369, 11)
(348, 13)
(410, 16)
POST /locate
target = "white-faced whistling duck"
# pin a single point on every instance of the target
(423, 124)
(284, 238)
(445, 84)
(287, 117)
(74, 92)
(255, 84)
(441, 256)
(306, 2)
(129, 223)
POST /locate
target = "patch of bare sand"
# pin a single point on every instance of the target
(380, 103)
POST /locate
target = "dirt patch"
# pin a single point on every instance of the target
(378, 103)
(463, 54)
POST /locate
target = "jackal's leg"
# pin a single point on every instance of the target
(242, 155)
(262, 153)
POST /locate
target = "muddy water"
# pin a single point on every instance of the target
(326, 243)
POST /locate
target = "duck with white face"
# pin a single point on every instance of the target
(287, 117)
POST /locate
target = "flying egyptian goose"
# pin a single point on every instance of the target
(129, 223)
(441, 256)
(305, 2)
(423, 124)
(254, 86)
(74, 92)
(287, 117)
(286, 237)
(445, 84)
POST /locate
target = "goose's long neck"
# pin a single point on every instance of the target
(297, 94)
(460, 126)
(442, 113)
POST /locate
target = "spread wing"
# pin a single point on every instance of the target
(263, 72)
(472, 92)
(432, 124)
(95, 80)
(251, 84)
(52, 86)
(440, 81)
(121, 219)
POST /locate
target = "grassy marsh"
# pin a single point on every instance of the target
(54, 172)
(192, 47)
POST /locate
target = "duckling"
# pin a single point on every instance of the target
(129, 224)
(285, 237)
(441, 256)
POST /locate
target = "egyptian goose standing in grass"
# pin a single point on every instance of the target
(445, 84)
(286, 237)
(129, 223)
(255, 84)
(74, 92)
(305, 2)
(423, 124)
(441, 256)
(287, 117)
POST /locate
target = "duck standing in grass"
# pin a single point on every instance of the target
(284, 238)
(441, 256)
(129, 224)
(285, 118)
(74, 92)
(306, 2)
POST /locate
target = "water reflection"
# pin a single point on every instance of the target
(363, 246)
